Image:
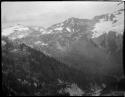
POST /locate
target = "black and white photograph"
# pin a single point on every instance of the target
(62, 48)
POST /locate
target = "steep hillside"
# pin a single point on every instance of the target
(27, 71)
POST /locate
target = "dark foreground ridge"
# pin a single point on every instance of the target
(26, 71)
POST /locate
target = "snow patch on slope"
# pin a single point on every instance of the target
(106, 26)
(18, 35)
(10, 30)
(116, 25)
(101, 27)
(41, 30)
(21, 36)
(68, 29)
(60, 28)
(37, 42)
(40, 43)
(47, 32)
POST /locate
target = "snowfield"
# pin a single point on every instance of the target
(10, 30)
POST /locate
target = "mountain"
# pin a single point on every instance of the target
(26, 71)
(68, 58)
(12, 29)
(20, 31)
(88, 45)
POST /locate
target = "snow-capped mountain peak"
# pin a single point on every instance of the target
(66, 26)
(71, 20)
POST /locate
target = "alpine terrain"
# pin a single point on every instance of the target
(76, 57)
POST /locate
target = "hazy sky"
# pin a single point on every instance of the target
(48, 13)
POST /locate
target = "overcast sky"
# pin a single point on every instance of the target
(48, 13)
